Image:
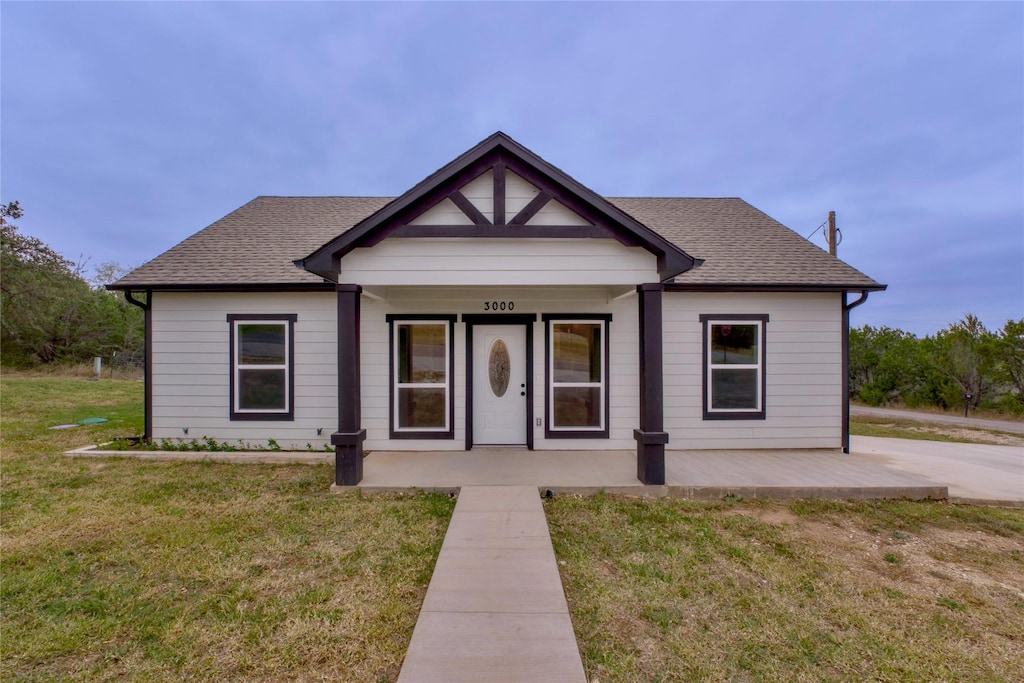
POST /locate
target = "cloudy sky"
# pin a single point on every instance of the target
(126, 127)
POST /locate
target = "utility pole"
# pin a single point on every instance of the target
(832, 232)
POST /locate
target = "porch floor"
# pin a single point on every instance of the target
(688, 474)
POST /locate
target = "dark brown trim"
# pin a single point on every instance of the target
(281, 416)
(846, 364)
(749, 287)
(651, 438)
(526, 320)
(531, 209)
(392, 379)
(231, 287)
(499, 193)
(467, 207)
(147, 371)
(706, 318)
(497, 148)
(348, 440)
(537, 231)
(550, 433)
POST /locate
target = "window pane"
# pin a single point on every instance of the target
(499, 367)
(424, 408)
(734, 345)
(577, 406)
(261, 344)
(421, 354)
(733, 389)
(262, 390)
(577, 352)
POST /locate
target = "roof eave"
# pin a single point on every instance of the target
(771, 287)
(223, 287)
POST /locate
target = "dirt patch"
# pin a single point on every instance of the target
(931, 561)
(772, 515)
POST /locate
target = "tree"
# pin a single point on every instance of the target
(964, 355)
(47, 311)
(1008, 352)
(884, 365)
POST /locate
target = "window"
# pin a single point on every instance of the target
(577, 371)
(262, 366)
(421, 365)
(734, 360)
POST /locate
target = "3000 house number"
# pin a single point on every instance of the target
(499, 305)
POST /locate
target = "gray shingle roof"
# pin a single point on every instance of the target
(257, 243)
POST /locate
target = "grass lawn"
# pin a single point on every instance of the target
(118, 569)
(668, 590)
(896, 428)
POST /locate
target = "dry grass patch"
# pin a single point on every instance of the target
(865, 425)
(666, 590)
(120, 569)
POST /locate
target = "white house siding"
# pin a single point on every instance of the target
(480, 193)
(623, 345)
(192, 375)
(803, 397)
(497, 261)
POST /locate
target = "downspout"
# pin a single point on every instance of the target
(846, 364)
(148, 370)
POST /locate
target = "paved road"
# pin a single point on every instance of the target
(1001, 425)
(974, 471)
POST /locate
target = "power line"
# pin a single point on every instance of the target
(823, 224)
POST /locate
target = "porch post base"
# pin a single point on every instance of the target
(650, 457)
(348, 457)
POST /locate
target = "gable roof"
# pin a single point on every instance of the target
(284, 243)
(255, 245)
(499, 150)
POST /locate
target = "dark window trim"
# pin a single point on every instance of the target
(706, 318)
(392, 418)
(550, 433)
(282, 416)
(526, 320)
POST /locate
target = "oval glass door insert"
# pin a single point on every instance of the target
(498, 369)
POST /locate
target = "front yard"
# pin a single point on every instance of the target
(119, 569)
(116, 569)
(668, 590)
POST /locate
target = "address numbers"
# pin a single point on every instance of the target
(499, 305)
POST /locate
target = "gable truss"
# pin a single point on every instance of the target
(502, 157)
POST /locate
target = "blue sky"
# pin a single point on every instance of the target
(126, 127)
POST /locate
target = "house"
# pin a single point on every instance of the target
(499, 301)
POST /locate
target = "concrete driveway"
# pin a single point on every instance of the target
(971, 471)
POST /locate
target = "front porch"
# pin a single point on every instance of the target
(706, 475)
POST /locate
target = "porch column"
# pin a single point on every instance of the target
(651, 437)
(348, 440)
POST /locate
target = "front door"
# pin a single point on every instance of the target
(499, 384)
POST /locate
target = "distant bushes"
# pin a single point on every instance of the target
(890, 366)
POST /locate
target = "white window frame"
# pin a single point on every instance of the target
(758, 411)
(553, 428)
(396, 385)
(286, 323)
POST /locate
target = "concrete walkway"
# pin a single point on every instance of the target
(495, 611)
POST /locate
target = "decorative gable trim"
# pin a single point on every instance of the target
(499, 154)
